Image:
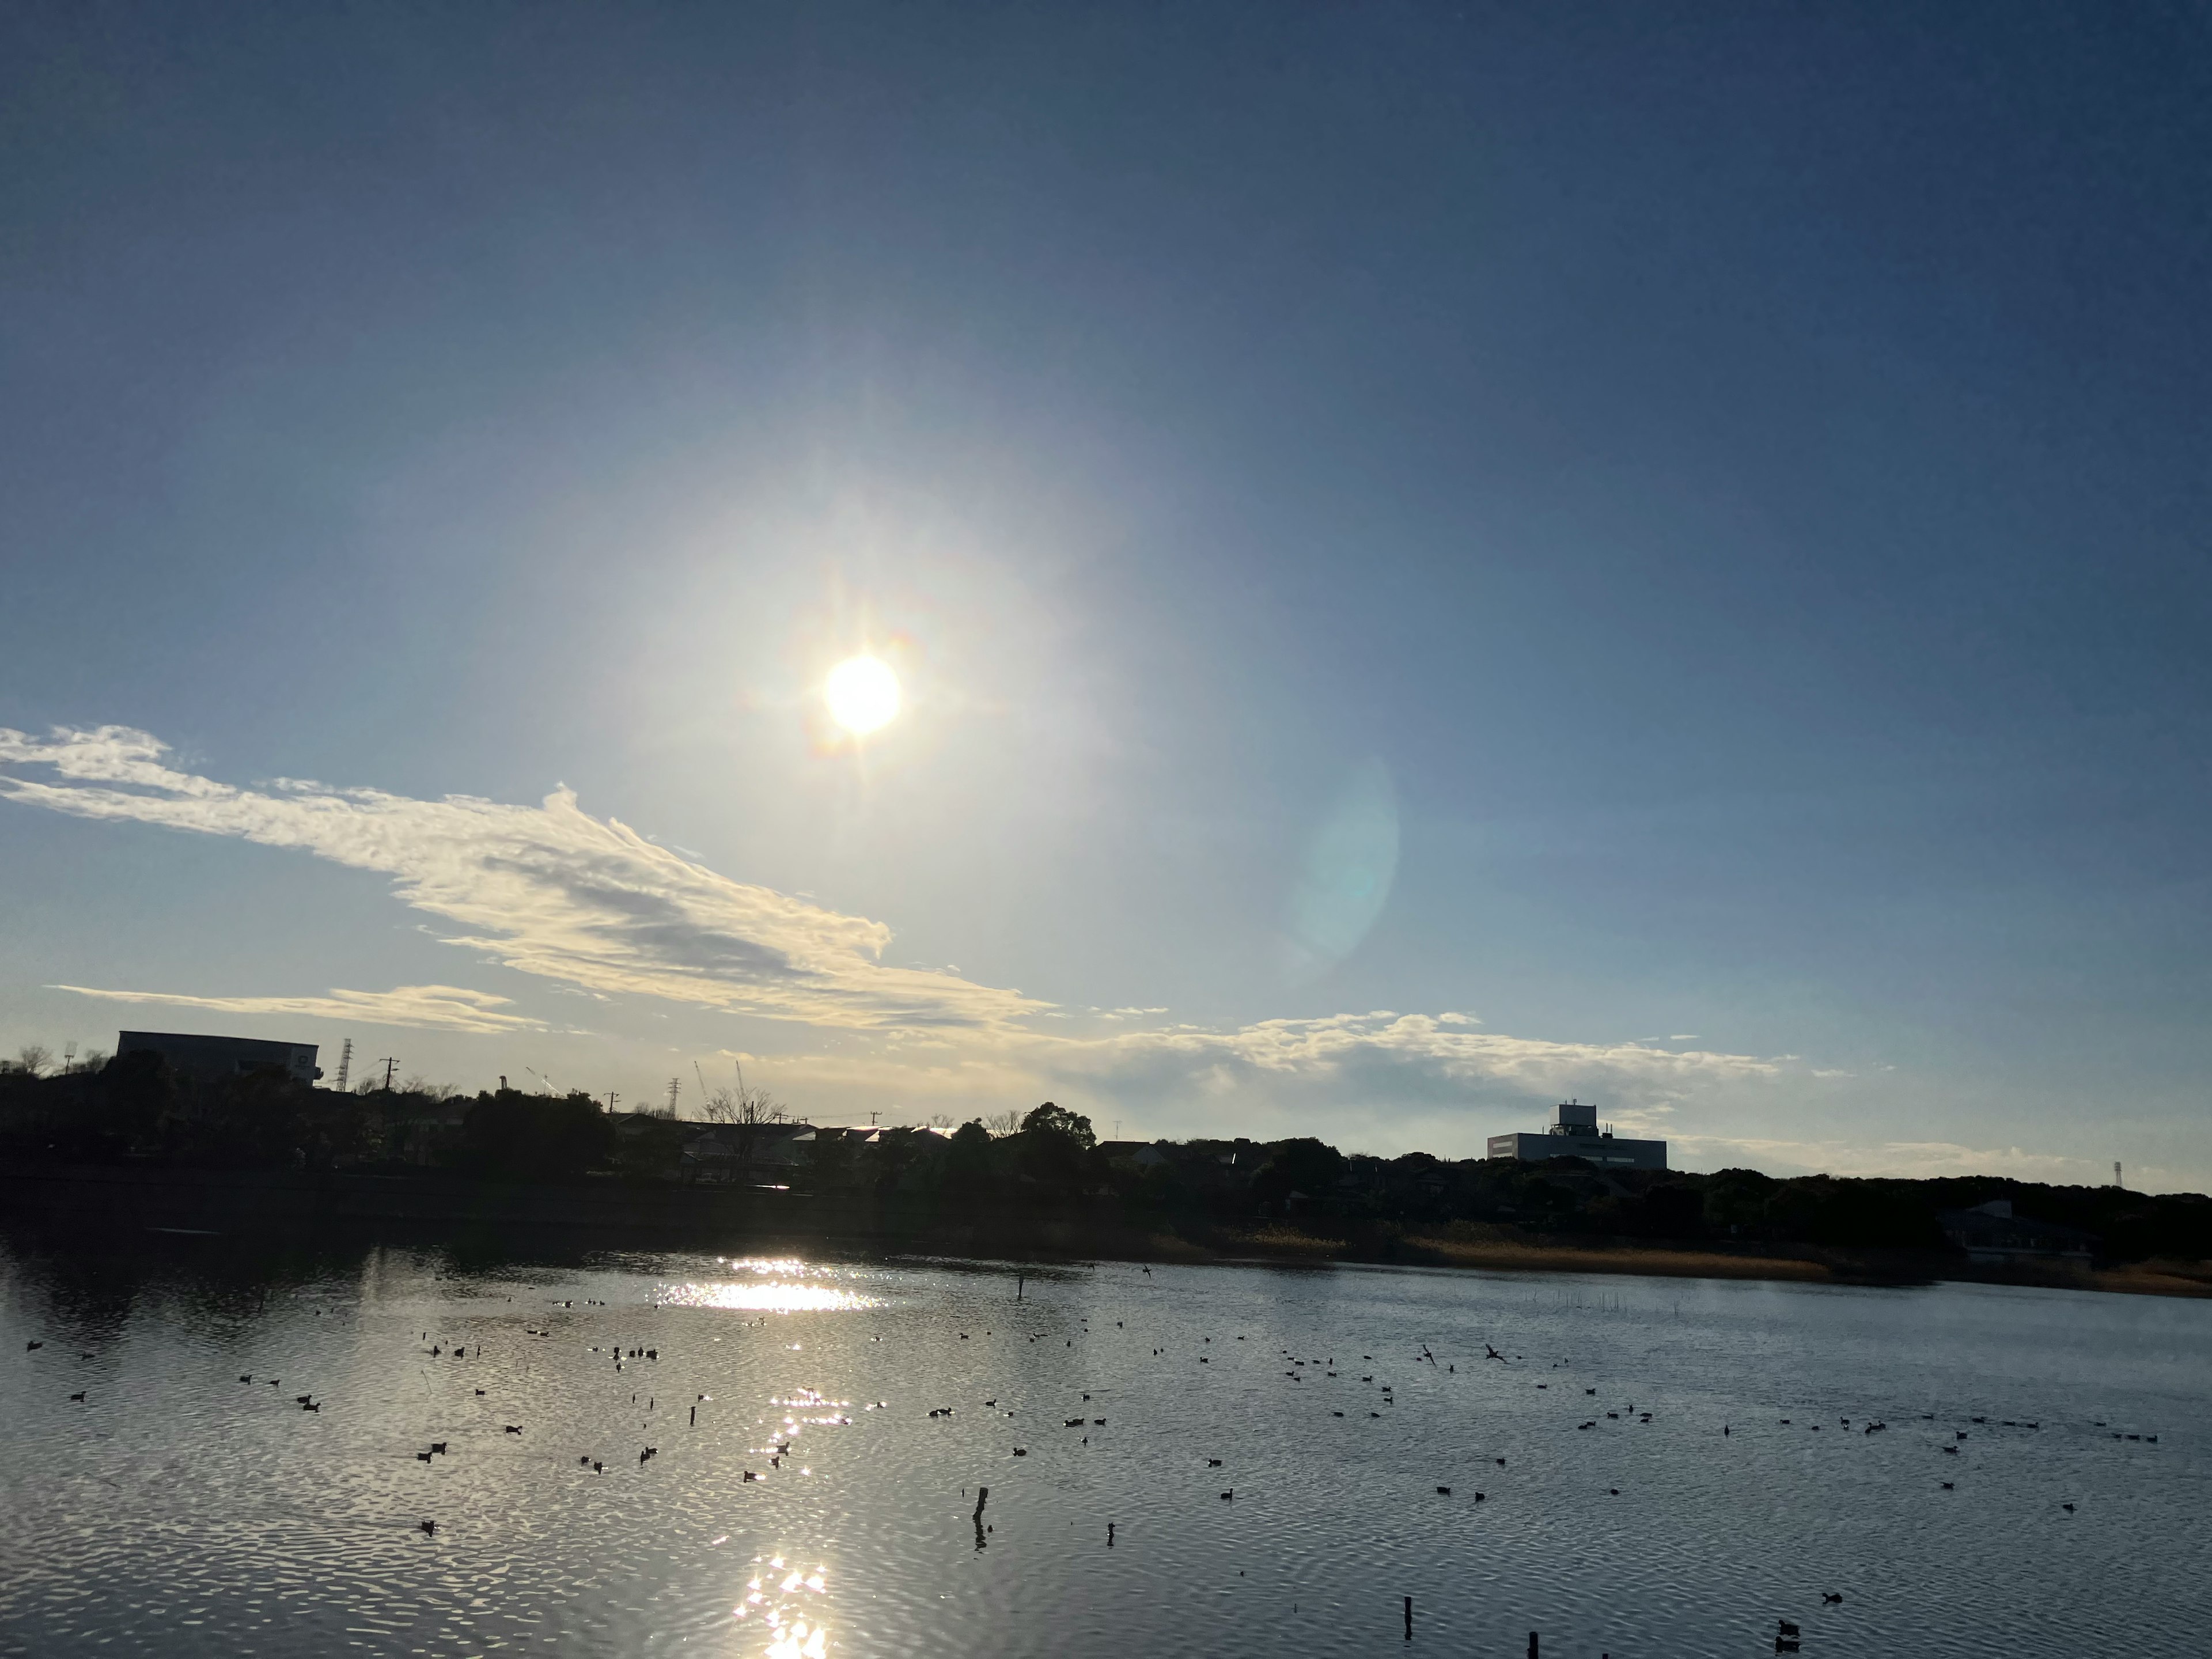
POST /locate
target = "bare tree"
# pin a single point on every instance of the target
(743, 1105)
(1003, 1123)
(92, 1060)
(743, 1109)
(34, 1058)
(940, 1119)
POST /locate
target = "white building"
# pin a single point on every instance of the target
(1575, 1134)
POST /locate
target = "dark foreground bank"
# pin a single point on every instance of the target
(134, 1142)
(612, 1214)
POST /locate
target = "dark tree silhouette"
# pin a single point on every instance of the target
(525, 1137)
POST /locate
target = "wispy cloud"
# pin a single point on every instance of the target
(548, 890)
(1381, 1077)
(1342, 1047)
(431, 1007)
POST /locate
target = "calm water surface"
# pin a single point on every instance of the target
(177, 1510)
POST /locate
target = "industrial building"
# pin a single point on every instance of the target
(1575, 1134)
(223, 1056)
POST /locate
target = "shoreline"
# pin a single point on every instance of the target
(241, 1204)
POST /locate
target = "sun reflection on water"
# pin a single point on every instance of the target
(768, 1285)
(795, 1631)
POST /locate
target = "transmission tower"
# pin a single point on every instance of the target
(346, 1065)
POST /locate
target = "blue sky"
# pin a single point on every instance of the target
(1439, 557)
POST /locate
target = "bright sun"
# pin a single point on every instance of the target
(863, 694)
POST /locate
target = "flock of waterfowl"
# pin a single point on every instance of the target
(1297, 1368)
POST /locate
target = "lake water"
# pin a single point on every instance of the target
(179, 1511)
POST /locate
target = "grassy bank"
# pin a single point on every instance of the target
(1496, 1250)
(1492, 1249)
(1562, 1258)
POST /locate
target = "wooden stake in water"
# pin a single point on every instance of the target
(1409, 1619)
(1532, 1644)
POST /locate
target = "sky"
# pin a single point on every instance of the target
(1436, 558)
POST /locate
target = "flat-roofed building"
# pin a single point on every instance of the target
(190, 1055)
(1575, 1132)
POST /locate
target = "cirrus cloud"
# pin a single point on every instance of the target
(429, 1007)
(548, 890)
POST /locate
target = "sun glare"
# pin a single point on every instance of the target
(863, 694)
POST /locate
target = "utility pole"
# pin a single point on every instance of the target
(390, 1066)
(346, 1065)
(69, 1061)
(611, 1097)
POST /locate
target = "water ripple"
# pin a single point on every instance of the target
(629, 1469)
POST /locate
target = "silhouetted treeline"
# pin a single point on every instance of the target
(1309, 1182)
(136, 1109)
